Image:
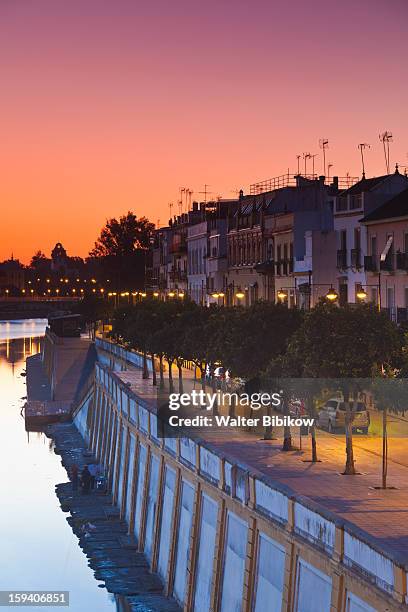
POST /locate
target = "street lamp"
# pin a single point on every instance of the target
(155, 294)
(332, 295)
(282, 295)
(240, 295)
(361, 294)
(171, 294)
(181, 295)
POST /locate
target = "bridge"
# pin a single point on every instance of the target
(34, 307)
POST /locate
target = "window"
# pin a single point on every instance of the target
(343, 240)
(313, 589)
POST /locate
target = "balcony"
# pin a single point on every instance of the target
(342, 259)
(402, 261)
(178, 275)
(356, 258)
(370, 264)
(265, 267)
(387, 265)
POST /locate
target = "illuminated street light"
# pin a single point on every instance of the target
(171, 294)
(102, 290)
(181, 295)
(156, 294)
(143, 294)
(332, 295)
(215, 295)
(282, 295)
(221, 295)
(361, 294)
(240, 295)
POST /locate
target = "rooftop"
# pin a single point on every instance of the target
(395, 208)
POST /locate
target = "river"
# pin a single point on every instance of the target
(38, 549)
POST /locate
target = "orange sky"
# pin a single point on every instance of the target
(110, 106)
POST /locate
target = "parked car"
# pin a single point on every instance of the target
(332, 416)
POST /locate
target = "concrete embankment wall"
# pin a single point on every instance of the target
(221, 537)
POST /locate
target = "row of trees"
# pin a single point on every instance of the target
(269, 345)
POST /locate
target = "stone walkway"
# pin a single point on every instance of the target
(111, 552)
(381, 514)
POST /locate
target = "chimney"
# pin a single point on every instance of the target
(195, 206)
(335, 182)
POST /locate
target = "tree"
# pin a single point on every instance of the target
(343, 345)
(39, 261)
(253, 338)
(121, 248)
(94, 309)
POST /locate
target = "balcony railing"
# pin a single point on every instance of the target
(342, 259)
(356, 258)
(402, 261)
(387, 265)
(370, 264)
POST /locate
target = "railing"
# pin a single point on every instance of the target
(388, 264)
(294, 180)
(274, 501)
(342, 259)
(370, 264)
(356, 258)
(402, 261)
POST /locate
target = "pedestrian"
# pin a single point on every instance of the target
(74, 476)
(85, 480)
(94, 471)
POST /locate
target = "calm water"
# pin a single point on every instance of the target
(37, 547)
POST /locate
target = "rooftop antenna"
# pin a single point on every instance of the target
(180, 202)
(386, 138)
(362, 146)
(170, 209)
(205, 192)
(329, 166)
(306, 156)
(313, 163)
(189, 193)
(324, 144)
(298, 164)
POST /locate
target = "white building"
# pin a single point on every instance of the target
(349, 208)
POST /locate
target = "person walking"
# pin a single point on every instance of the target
(93, 470)
(85, 480)
(74, 476)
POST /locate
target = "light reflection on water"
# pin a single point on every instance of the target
(37, 547)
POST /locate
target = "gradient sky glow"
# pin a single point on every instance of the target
(113, 105)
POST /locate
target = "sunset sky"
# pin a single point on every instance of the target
(108, 106)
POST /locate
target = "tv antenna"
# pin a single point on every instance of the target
(171, 209)
(189, 193)
(362, 146)
(298, 164)
(329, 166)
(313, 163)
(205, 192)
(306, 156)
(386, 138)
(324, 144)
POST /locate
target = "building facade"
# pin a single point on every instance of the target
(350, 206)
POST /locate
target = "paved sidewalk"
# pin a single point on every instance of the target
(383, 514)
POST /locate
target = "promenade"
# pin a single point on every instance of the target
(381, 514)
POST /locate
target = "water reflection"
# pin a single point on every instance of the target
(38, 548)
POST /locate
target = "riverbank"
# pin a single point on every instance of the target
(111, 552)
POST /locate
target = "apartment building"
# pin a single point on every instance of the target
(349, 207)
(386, 261)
